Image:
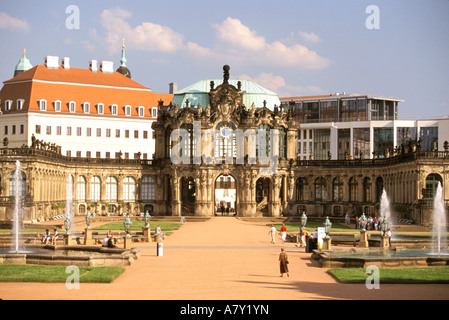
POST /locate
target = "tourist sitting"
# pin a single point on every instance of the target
(106, 241)
(46, 237)
(54, 237)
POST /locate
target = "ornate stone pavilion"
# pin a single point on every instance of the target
(225, 147)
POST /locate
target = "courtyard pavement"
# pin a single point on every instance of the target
(223, 258)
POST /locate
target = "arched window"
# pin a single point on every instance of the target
(353, 195)
(111, 189)
(432, 181)
(225, 144)
(95, 188)
(148, 189)
(21, 184)
(301, 185)
(81, 189)
(367, 190)
(320, 189)
(337, 187)
(187, 147)
(129, 189)
(379, 188)
(168, 142)
(282, 143)
(263, 140)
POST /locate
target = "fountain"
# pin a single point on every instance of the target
(439, 229)
(69, 205)
(385, 211)
(18, 205)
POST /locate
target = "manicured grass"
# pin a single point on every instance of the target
(138, 225)
(39, 273)
(425, 275)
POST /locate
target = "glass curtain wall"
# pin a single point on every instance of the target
(322, 143)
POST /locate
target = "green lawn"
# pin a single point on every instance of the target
(138, 225)
(425, 275)
(40, 273)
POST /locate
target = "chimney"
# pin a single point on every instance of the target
(173, 88)
(52, 62)
(66, 63)
(93, 65)
(107, 67)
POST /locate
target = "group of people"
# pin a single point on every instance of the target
(109, 241)
(48, 238)
(371, 223)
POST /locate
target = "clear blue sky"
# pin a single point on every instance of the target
(292, 47)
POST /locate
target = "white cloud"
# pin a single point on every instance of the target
(146, 36)
(235, 33)
(243, 44)
(278, 85)
(309, 37)
(8, 22)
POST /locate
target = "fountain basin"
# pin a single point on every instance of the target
(381, 258)
(93, 256)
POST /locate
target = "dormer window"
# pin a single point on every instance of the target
(19, 104)
(57, 105)
(86, 107)
(8, 105)
(154, 112)
(114, 109)
(72, 106)
(42, 104)
(100, 108)
(128, 110)
(141, 111)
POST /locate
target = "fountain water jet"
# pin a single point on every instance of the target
(69, 203)
(439, 220)
(385, 210)
(18, 205)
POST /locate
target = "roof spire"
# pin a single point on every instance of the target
(23, 65)
(123, 69)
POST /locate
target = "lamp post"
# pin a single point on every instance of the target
(384, 243)
(363, 236)
(327, 229)
(127, 224)
(303, 219)
(127, 239)
(88, 240)
(146, 228)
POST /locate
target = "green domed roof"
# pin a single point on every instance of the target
(23, 65)
(198, 93)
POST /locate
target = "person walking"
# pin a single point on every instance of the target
(283, 233)
(273, 234)
(283, 263)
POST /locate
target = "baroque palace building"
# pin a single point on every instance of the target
(221, 146)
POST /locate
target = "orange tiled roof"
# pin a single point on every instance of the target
(79, 85)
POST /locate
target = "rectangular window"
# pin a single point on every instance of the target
(88, 154)
(69, 153)
(126, 133)
(58, 130)
(145, 134)
(117, 133)
(89, 132)
(98, 132)
(48, 131)
(78, 154)
(98, 155)
(13, 129)
(136, 134)
(108, 133)
(69, 131)
(38, 129)
(22, 129)
(108, 155)
(78, 131)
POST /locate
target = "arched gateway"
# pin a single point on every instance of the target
(214, 142)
